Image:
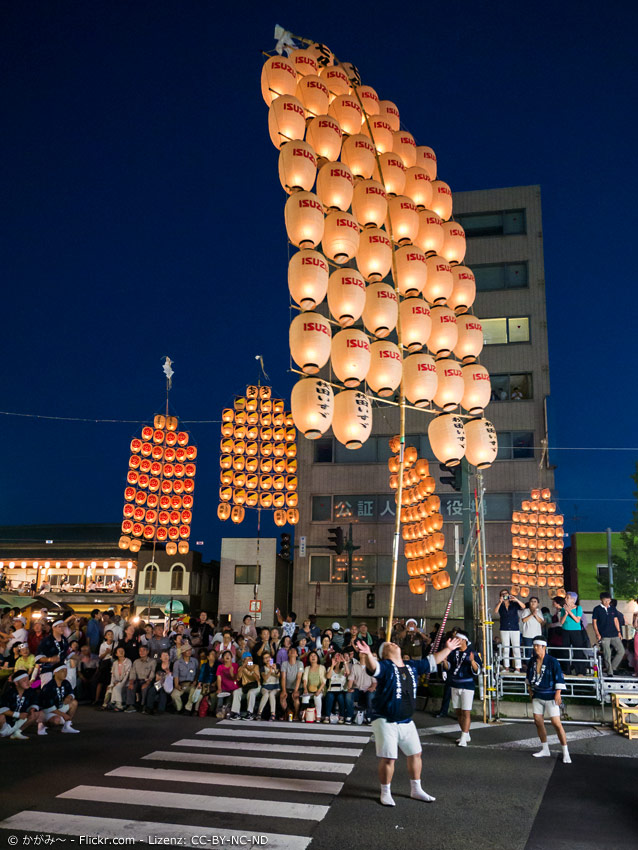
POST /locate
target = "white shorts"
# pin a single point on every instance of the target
(49, 712)
(540, 706)
(389, 738)
(462, 698)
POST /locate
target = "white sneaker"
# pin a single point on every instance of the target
(18, 736)
(69, 730)
(42, 730)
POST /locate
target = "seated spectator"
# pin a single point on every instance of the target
(36, 635)
(25, 659)
(291, 673)
(146, 635)
(249, 680)
(351, 635)
(140, 679)
(271, 685)
(227, 675)
(226, 644)
(282, 652)
(306, 631)
(314, 683)
(325, 651)
(248, 631)
(363, 686)
(337, 677)
(205, 695)
(159, 642)
(120, 669)
(86, 670)
(177, 649)
(19, 707)
(105, 662)
(275, 639)
(185, 673)
(20, 633)
(58, 703)
(243, 650)
(157, 694)
(302, 649)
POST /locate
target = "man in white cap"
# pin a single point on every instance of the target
(545, 681)
(463, 666)
(19, 707)
(337, 635)
(54, 648)
(414, 640)
(58, 703)
(393, 706)
(20, 635)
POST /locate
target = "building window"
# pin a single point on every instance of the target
(504, 223)
(320, 568)
(501, 331)
(323, 450)
(150, 577)
(500, 276)
(511, 387)
(515, 445)
(602, 574)
(247, 573)
(321, 508)
(333, 569)
(177, 577)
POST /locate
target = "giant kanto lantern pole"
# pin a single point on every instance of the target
(537, 545)
(374, 232)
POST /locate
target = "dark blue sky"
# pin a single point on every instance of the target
(142, 216)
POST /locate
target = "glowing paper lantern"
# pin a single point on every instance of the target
(286, 120)
(340, 237)
(390, 111)
(447, 438)
(411, 270)
(304, 219)
(384, 374)
(390, 171)
(453, 248)
(374, 256)
(450, 386)
(312, 406)
(476, 395)
(304, 62)
(404, 219)
(463, 289)
(336, 80)
(335, 186)
(380, 131)
(278, 76)
(419, 379)
(438, 286)
(416, 323)
(324, 135)
(441, 199)
(417, 585)
(426, 158)
(313, 94)
(369, 98)
(310, 338)
(308, 278)
(297, 166)
(381, 309)
(347, 113)
(369, 203)
(358, 154)
(346, 296)
(350, 356)
(470, 338)
(430, 235)
(418, 187)
(352, 420)
(404, 145)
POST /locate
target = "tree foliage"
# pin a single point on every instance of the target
(626, 571)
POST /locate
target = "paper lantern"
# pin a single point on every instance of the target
(450, 386)
(476, 396)
(279, 517)
(417, 585)
(453, 248)
(312, 405)
(278, 76)
(350, 356)
(444, 334)
(304, 62)
(310, 338)
(358, 154)
(336, 80)
(308, 278)
(404, 145)
(286, 120)
(380, 131)
(352, 420)
(470, 338)
(374, 256)
(297, 166)
(292, 515)
(546, 494)
(419, 379)
(430, 235)
(313, 94)
(346, 296)
(384, 374)
(237, 513)
(447, 438)
(381, 309)
(403, 218)
(416, 323)
(369, 98)
(340, 237)
(463, 289)
(369, 203)
(418, 187)
(438, 286)
(346, 111)
(390, 171)
(442, 580)
(426, 158)
(304, 219)
(324, 135)
(481, 443)
(390, 111)
(335, 186)
(411, 269)
(441, 199)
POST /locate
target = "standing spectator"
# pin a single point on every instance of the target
(130, 643)
(291, 673)
(573, 632)
(325, 651)
(508, 608)
(110, 622)
(58, 703)
(555, 632)
(282, 652)
(185, 674)
(306, 631)
(226, 644)
(105, 662)
(120, 670)
(532, 624)
(314, 683)
(302, 649)
(95, 630)
(86, 670)
(619, 614)
(275, 639)
(226, 681)
(608, 632)
(146, 636)
(139, 680)
(36, 636)
(270, 677)
(201, 631)
(288, 626)
(157, 694)
(337, 636)
(547, 621)
(159, 642)
(315, 631)
(248, 630)
(415, 641)
(262, 646)
(243, 649)
(364, 634)
(249, 686)
(463, 666)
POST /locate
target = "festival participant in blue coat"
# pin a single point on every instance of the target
(58, 703)
(463, 666)
(55, 648)
(19, 707)
(392, 709)
(545, 681)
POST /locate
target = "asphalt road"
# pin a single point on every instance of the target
(200, 781)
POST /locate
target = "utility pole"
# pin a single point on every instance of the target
(350, 548)
(468, 595)
(610, 564)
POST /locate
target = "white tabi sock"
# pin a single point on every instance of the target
(464, 740)
(417, 793)
(386, 796)
(566, 758)
(544, 751)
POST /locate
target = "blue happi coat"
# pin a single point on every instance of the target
(386, 702)
(460, 672)
(550, 680)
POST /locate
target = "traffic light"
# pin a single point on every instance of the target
(452, 476)
(284, 546)
(370, 599)
(335, 536)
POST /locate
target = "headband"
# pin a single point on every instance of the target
(58, 623)
(539, 642)
(461, 636)
(411, 620)
(59, 667)
(19, 675)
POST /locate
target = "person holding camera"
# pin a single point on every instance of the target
(249, 680)
(545, 681)
(508, 609)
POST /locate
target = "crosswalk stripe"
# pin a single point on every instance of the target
(257, 747)
(271, 783)
(349, 728)
(117, 828)
(290, 736)
(450, 728)
(204, 802)
(251, 763)
(578, 735)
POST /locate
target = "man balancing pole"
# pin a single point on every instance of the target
(392, 708)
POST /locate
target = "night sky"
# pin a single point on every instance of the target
(142, 216)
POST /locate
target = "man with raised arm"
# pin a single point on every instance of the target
(392, 708)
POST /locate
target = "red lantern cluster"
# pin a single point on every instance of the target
(258, 458)
(158, 498)
(537, 545)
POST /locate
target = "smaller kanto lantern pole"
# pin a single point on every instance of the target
(482, 579)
